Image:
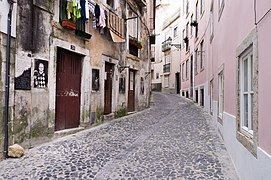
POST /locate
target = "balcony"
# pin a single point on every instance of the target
(166, 45)
(166, 68)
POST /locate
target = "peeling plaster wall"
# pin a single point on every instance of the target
(2, 88)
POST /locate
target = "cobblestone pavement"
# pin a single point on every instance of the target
(174, 139)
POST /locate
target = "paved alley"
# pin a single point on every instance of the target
(174, 139)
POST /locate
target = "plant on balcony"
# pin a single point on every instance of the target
(134, 42)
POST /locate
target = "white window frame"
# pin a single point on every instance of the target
(186, 69)
(202, 55)
(246, 56)
(183, 71)
(196, 61)
(175, 32)
(211, 22)
(183, 38)
(220, 94)
(202, 6)
(191, 27)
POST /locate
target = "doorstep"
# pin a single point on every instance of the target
(66, 132)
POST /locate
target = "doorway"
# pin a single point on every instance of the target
(131, 91)
(191, 78)
(109, 71)
(68, 89)
(178, 83)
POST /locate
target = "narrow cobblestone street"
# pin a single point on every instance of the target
(174, 139)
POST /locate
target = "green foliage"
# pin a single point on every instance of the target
(120, 113)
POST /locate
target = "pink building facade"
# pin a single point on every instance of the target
(225, 69)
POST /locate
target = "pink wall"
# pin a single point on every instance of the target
(264, 50)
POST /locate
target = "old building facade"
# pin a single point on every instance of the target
(71, 67)
(166, 57)
(224, 66)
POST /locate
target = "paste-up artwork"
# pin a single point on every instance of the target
(41, 74)
(122, 85)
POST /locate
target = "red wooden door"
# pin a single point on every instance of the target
(68, 83)
(108, 88)
(131, 91)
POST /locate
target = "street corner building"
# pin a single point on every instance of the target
(72, 64)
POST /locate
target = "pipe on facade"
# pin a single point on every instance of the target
(7, 83)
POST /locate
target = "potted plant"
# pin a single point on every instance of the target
(139, 44)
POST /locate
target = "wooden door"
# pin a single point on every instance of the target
(108, 88)
(131, 91)
(68, 84)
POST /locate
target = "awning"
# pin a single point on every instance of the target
(116, 38)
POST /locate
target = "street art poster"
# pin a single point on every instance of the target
(40, 74)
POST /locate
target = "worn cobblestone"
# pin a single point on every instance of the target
(174, 139)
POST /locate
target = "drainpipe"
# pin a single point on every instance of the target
(7, 77)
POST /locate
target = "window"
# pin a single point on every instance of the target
(186, 39)
(221, 3)
(246, 90)
(201, 55)
(110, 3)
(221, 7)
(183, 72)
(187, 29)
(186, 69)
(175, 32)
(220, 94)
(133, 31)
(95, 80)
(70, 20)
(197, 11)
(211, 95)
(142, 89)
(191, 27)
(196, 61)
(201, 6)
(183, 37)
(187, 7)
(212, 22)
(122, 85)
(157, 75)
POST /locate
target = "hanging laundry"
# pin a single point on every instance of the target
(97, 13)
(76, 9)
(102, 18)
(87, 9)
(69, 9)
(83, 10)
(91, 8)
(94, 22)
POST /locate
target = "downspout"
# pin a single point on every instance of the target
(7, 78)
